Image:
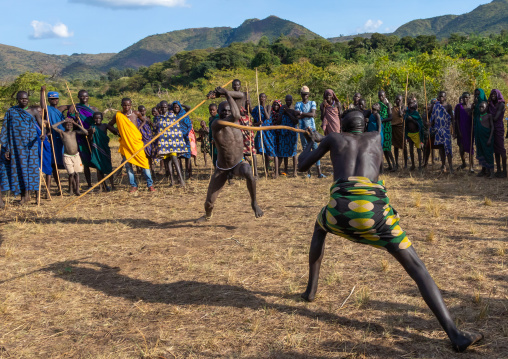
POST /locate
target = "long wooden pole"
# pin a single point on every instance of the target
(260, 123)
(427, 116)
(78, 115)
(404, 122)
(471, 164)
(135, 153)
(52, 145)
(42, 158)
(249, 128)
(251, 132)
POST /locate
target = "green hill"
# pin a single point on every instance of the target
(16, 61)
(158, 48)
(484, 20)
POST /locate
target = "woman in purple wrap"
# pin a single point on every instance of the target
(496, 109)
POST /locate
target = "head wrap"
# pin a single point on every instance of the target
(492, 105)
(53, 94)
(334, 97)
(274, 114)
(305, 89)
(481, 98)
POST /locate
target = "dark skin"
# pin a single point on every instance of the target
(163, 110)
(498, 116)
(83, 100)
(359, 154)
(375, 111)
(429, 144)
(356, 99)
(293, 115)
(188, 163)
(22, 101)
(329, 100)
(203, 132)
(70, 147)
(312, 113)
(213, 112)
(104, 127)
(229, 142)
(142, 111)
(464, 100)
(412, 127)
(53, 102)
(442, 100)
(398, 107)
(487, 121)
(388, 154)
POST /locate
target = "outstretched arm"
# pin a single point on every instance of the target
(112, 129)
(308, 157)
(56, 129)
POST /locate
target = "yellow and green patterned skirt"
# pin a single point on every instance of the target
(359, 210)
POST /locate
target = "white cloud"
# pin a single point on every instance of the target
(370, 26)
(126, 4)
(43, 30)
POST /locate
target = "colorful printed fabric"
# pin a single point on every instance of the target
(255, 114)
(288, 140)
(442, 124)
(387, 127)
(499, 148)
(248, 136)
(147, 135)
(19, 137)
(171, 141)
(466, 128)
(484, 153)
(101, 153)
(360, 211)
(47, 154)
(306, 122)
(55, 116)
(192, 140)
(268, 146)
(131, 141)
(185, 128)
(372, 127)
(85, 119)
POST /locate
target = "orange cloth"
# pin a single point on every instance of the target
(131, 141)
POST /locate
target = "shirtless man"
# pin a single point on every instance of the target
(356, 158)
(230, 159)
(72, 160)
(243, 103)
(133, 144)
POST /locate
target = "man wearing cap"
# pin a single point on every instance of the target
(307, 111)
(55, 115)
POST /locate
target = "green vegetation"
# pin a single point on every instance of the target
(484, 20)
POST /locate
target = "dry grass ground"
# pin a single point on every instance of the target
(132, 276)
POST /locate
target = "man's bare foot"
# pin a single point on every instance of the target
(490, 175)
(77, 193)
(257, 211)
(308, 296)
(465, 340)
(205, 218)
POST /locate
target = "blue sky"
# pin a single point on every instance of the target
(94, 26)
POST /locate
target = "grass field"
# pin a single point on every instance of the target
(124, 275)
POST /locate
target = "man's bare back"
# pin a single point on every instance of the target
(352, 154)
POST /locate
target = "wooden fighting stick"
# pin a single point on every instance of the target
(135, 153)
(52, 145)
(404, 122)
(471, 164)
(78, 115)
(427, 116)
(254, 128)
(260, 123)
(42, 158)
(251, 132)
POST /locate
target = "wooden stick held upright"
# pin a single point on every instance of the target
(404, 122)
(42, 158)
(260, 123)
(53, 147)
(78, 115)
(135, 153)
(427, 116)
(471, 162)
(250, 124)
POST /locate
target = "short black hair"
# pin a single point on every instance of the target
(125, 99)
(140, 107)
(81, 91)
(98, 114)
(212, 105)
(352, 119)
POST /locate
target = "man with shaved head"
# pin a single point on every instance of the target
(360, 211)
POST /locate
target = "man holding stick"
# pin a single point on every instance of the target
(230, 158)
(359, 210)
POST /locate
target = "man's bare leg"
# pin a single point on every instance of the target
(245, 171)
(88, 176)
(316, 252)
(176, 162)
(294, 167)
(25, 197)
(432, 296)
(76, 184)
(217, 181)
